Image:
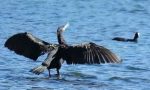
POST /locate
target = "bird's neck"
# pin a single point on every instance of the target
(60, 37)
(135, 37)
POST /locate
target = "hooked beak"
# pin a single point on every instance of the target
(65, 26)
(138, 34)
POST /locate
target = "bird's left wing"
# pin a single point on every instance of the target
(27, 45)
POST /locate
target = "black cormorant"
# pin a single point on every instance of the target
(87, 53)
(135, 39)
(32, 47)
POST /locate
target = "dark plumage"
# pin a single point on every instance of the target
(135, 39)
(88, 53)
(32, 47)
(27, 45)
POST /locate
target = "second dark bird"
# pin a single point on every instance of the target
(135, 38)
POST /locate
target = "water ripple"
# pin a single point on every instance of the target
(95, 20)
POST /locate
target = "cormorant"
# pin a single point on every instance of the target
(88, 53)
(135, 39)
(32, 47)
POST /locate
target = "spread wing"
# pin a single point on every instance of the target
(27, 45)
(89, 53)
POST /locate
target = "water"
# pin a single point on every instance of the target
(94, 20)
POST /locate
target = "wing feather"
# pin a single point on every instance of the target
(101, 58)
(89, 53)
(27, 45)
(97, 57)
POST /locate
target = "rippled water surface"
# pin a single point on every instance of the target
(90, 20)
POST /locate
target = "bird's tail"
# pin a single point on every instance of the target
(38, 70)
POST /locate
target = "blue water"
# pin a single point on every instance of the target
(90, 20)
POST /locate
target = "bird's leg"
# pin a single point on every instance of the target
(58, 73)
(49, 73)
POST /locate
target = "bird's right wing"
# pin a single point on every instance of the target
(27, 45)
(89, 53)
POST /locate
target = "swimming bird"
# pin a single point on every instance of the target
(84, 53)
(135, 39)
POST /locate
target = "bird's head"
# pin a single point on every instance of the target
(63, 27)
(137, 35)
